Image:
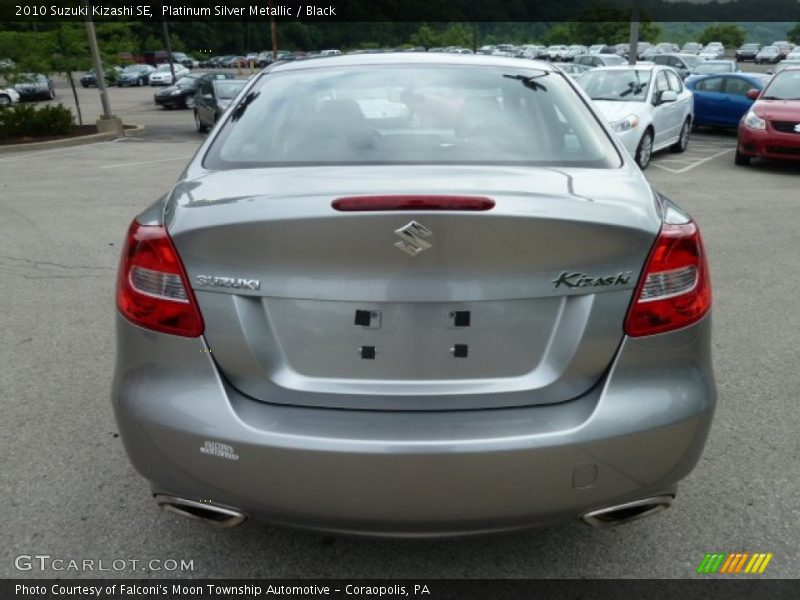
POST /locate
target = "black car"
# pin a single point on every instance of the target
(182, 94)
(747, 52)
(89, 79)
(213, 97)
(34, 86)
(135, 75)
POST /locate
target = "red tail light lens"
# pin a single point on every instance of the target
(153, 290)
(674, 290)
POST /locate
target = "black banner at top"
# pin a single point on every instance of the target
(398, 10)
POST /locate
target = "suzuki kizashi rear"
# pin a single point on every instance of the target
(413, 295)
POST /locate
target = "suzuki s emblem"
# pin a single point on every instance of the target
(797, 128)
(412, 238)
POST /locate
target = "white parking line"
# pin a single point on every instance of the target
(16, 157)
(692, 166)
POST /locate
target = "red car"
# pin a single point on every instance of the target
(771, 128)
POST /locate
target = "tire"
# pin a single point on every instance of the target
(199, 124)
(683, 138)
(140, 82)
(644, 151)
(5, 100)
(188, 102)
(741, 160)
(51, 94)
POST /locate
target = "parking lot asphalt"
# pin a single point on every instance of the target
(71, 493)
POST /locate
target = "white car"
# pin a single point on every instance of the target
(163, 75)
(557, 52)
(647, 106)
(8, 96)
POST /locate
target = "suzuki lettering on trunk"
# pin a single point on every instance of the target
(390, 280)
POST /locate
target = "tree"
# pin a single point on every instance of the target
(729, 34)
(794, 34)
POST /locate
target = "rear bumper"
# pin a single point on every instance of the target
(769, 144)
(638, 432)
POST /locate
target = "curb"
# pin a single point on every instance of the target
(132, 131)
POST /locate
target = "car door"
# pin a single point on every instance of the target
(709, 100)
(204, 100)
(684, 105)
(737, 103)
(663, 113)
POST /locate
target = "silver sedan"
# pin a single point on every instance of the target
(413, 295)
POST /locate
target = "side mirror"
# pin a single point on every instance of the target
(667, 96)
(753, 93)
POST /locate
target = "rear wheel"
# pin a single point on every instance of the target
(644, 150)
(683, 138)
(741, 159)
(188, 102)
(51, 94)
(199, 124)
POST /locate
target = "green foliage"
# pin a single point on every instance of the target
(454, 34)
(794, 34)
(729, 34)
(25, 120)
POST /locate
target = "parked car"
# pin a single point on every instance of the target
(8, 96)
(89, 79)
(784, 64)
(557, 53)
(721, 100)
(651, 53)
(212, 100)
(784, 48)
(182, 94)
(163, 74)
(534, 348)
(682, 63)
(793, 55)
(716, 47)
(577, 50)
(668, 47)
(135, 75)
(187, 61)
(768, 54)
(646, 105)
(747, 52)
(596, 48)
(771, 128)
(34, 86)
(692, 48)
(600, 60)
(6, 64)
(573, 69)
(712, 67)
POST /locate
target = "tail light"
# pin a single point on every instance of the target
(415, 202)
(674, 290)
(153, 290)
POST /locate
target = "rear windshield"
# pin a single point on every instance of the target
(411, 115)
(228, 89)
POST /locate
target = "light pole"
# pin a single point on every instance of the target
(633, 48)
(107, 122)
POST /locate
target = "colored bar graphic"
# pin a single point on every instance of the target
(728, 563)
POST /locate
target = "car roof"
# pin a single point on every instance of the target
(411, 58)
(639, 66)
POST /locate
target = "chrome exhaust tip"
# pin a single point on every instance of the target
(217, 516)
(625, 513)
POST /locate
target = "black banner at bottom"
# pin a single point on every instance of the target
(422, 589)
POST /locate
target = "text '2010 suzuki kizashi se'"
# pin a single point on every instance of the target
(413, 295)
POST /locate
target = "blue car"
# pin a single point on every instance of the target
(721, 100)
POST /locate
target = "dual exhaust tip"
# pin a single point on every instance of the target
(220, 516)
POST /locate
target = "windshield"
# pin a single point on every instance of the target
(189, 80)
(707, 68)
(624, 85)
(784, 86)
(770, 50)
(165, 68)
(227, 90)
(412, 114)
